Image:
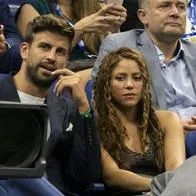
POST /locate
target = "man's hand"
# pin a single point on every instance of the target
(3, 45)
(74, 84)
(189, 125)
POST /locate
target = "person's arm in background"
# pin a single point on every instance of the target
(26, 14)
(84, 160)
(99, 22)
(10, 40)
(107, 19)
(11, 33)
(174, 146)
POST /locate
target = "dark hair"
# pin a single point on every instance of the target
(112, 131)
(49, 23)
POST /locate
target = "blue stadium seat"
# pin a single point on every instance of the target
(192, 12)
(190, 143)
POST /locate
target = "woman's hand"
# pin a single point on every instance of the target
(107, 19)
(120, 13)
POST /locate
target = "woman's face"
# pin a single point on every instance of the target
(126, 83)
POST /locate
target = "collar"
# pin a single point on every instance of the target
(179, 53)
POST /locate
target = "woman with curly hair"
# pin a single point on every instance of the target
(137, 141)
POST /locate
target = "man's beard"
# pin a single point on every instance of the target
(170, 36)
(43, 83)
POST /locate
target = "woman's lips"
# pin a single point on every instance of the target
(129, 95)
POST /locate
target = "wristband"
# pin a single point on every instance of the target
(86, 114)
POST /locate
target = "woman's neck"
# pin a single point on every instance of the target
(126, 115)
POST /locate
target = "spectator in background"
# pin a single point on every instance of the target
(132, 21)
(91, 21)
(10, 41)
(170, 60)
(137, 141)
(73, 156)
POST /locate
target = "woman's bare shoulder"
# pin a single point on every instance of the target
(166, 116)
(165, 113)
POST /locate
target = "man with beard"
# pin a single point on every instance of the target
(171, 60)
(74, 150)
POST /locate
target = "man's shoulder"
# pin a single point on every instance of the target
(123, 35)
(6, 83)
(189, 48)
(3, 2)
(8, 90)
(4, 77)
(126, 39)
(188, 44)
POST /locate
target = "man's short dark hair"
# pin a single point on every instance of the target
(51, 23)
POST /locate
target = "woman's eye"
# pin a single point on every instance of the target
(137, 78)
(119, 78)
